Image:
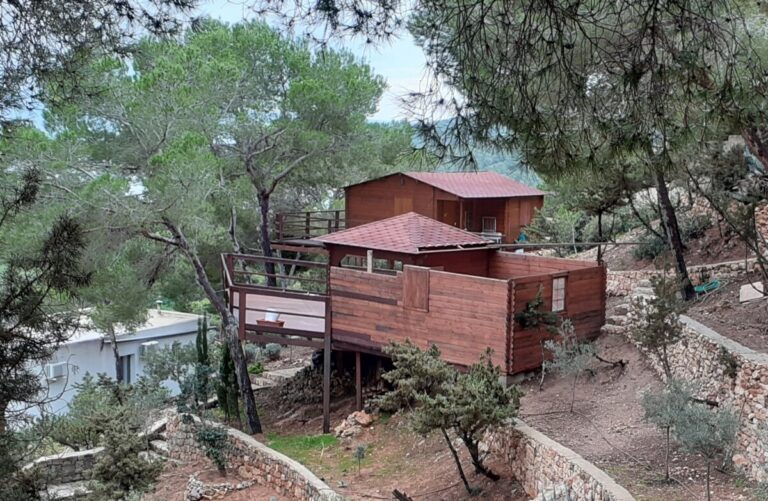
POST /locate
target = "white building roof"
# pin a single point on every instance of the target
(155, 320)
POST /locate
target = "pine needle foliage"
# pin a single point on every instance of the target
(441, 398)
(657, 320)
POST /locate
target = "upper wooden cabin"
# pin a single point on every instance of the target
(481, 202)
(428, 282)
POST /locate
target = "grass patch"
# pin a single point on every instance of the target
(302, 448)
(320, 453)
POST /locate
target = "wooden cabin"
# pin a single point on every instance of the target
(480, 202)
(422, 280)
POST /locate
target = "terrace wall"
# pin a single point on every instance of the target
(549, 470)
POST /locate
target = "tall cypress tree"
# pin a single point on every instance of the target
(203, 366)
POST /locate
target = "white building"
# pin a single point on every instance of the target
(90, 351)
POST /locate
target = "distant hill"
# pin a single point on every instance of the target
(506, 163)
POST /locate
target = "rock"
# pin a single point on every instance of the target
(195, 489)
(353, 425)
(750, 292)
(362, 418)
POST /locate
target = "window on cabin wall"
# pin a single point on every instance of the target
(558, 294)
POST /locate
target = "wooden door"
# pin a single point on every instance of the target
(449, 212)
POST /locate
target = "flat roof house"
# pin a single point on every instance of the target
(89, 351)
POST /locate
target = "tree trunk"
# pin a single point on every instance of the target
(474, 453)
(600, 236)
(118, 366)
(673, 235)
(229, 327)
(266, 242)
(666, 458)
(709, 473)
(458, 461)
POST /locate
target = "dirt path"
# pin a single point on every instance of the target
(607, 428)
(745, 323)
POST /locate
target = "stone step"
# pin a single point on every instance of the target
(159, 446)
(280, 375)
(643, 291)
(616, 320)
(621, 309)
(613, 329)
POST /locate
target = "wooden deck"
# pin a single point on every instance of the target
(306, 315)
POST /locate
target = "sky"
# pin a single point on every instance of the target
(400, 61)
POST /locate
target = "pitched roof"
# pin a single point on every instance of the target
(473, 184)
(408, 233)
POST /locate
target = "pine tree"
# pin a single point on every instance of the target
(657, 323)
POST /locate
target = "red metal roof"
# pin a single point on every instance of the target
(476, 184)
(408, 233)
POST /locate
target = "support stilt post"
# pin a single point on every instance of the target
(327, 366)
(358, 383)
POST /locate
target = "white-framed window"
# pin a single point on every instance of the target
(558, 294)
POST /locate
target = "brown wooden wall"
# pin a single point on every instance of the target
(584, 306)
(468, 262)
(390, 196)
(519, 213)
(509, 265)
(462, 315)
(397, 194)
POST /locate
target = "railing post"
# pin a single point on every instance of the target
(336, 220)
(280, 219)
(241, 311)
(307, 216)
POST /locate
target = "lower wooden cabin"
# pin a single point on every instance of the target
(411, 277)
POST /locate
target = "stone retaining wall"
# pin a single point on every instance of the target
(66, 467)
(549, 470)
(622, 283)
(253, 461)
(731, 374)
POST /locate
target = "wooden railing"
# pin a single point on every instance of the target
(300, 299)
(308, 224)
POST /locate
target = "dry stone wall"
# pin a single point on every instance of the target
(548, 470)
(622, 283)
(253, 461)
(66, 467)
(729, 373)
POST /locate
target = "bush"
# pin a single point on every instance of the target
(252, 353)
(216, 443)
(272, 351)
(694, 227)
(650, 247)
(255, 368)
(119, 470)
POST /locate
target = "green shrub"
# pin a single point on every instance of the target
(272, 351)
(255, 368)
(694, 227)
(215, 440)
(650, 247)
(252, 353)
